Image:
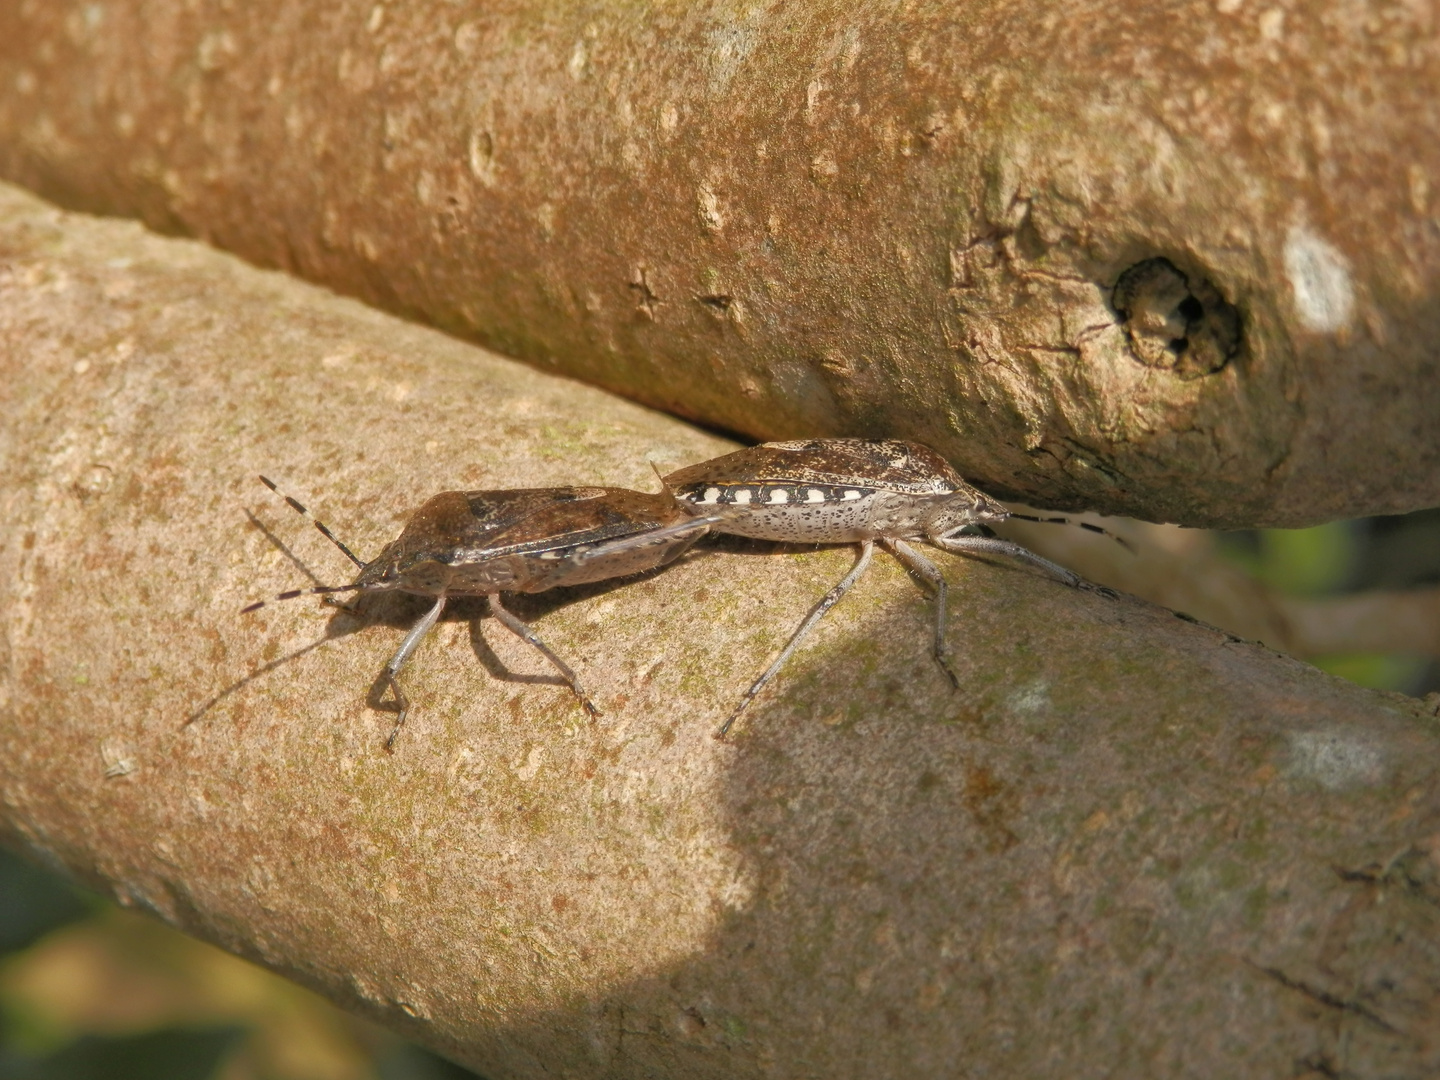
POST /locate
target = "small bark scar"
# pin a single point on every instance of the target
(648, 300)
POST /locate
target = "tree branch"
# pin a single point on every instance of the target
(1176, 261)
(1130, 844)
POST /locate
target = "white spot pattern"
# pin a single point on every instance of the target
(743, 496)
(779, 495)
(852, 494)
(814, 495)
(712, 496)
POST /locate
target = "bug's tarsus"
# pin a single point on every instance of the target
(527, 635)
(1086, 525)
(398, 704)
(829, 600)
(320, 525)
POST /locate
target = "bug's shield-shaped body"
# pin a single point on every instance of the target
(473, 543)
(484, 543)
(833, 491)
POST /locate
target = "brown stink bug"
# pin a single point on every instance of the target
(525, 540)
(839, 491)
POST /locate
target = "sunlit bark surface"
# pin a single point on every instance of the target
(1129, 845)
(1176, 260)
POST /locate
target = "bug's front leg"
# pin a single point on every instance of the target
(694, 529)
(829, 600)
(389, 674)
(990, 545)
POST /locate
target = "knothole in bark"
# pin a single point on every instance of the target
(1174, 323)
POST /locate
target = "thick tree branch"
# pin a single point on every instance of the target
(1130, 845)
(1174, 260)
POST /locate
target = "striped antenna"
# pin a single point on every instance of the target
(324, 529)
(291, 594)
(1071, 521)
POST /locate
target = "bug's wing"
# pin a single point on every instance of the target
(691, 528)
(862, 463)
(584, 516)
(463, 526)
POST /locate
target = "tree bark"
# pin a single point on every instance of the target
(1129, 845)
(1177, 261)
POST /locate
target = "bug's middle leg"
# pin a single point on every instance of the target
(931, 573)
(389, 674)
(829, 600)
(527, 635)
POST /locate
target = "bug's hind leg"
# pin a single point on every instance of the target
(931, 574)
(527, 635)
(989, 545)
(389, 675)
(829, 600)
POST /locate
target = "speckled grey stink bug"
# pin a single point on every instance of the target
(484, 543)
(838, 491)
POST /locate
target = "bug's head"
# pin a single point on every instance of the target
(408, 568)
(965, 507)
(419, 559)
(383, 571)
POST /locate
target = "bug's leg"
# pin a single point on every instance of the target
(525, 634)
(829, 600)
(388, 675)
(931, 573)
(989, 545)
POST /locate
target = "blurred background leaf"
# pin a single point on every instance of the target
(1399, 552)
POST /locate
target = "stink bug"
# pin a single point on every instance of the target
(838, 491)
(484, 543)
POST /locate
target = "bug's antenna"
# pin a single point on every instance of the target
(324, 529)
(315, 591)
(1071, 521)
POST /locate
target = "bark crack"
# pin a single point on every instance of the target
(1326, 998)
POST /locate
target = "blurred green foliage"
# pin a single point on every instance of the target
(1398, 552)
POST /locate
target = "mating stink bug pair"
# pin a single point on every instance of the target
(823, 491)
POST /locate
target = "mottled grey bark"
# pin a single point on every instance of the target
(1173, 260)
(1129, 846)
